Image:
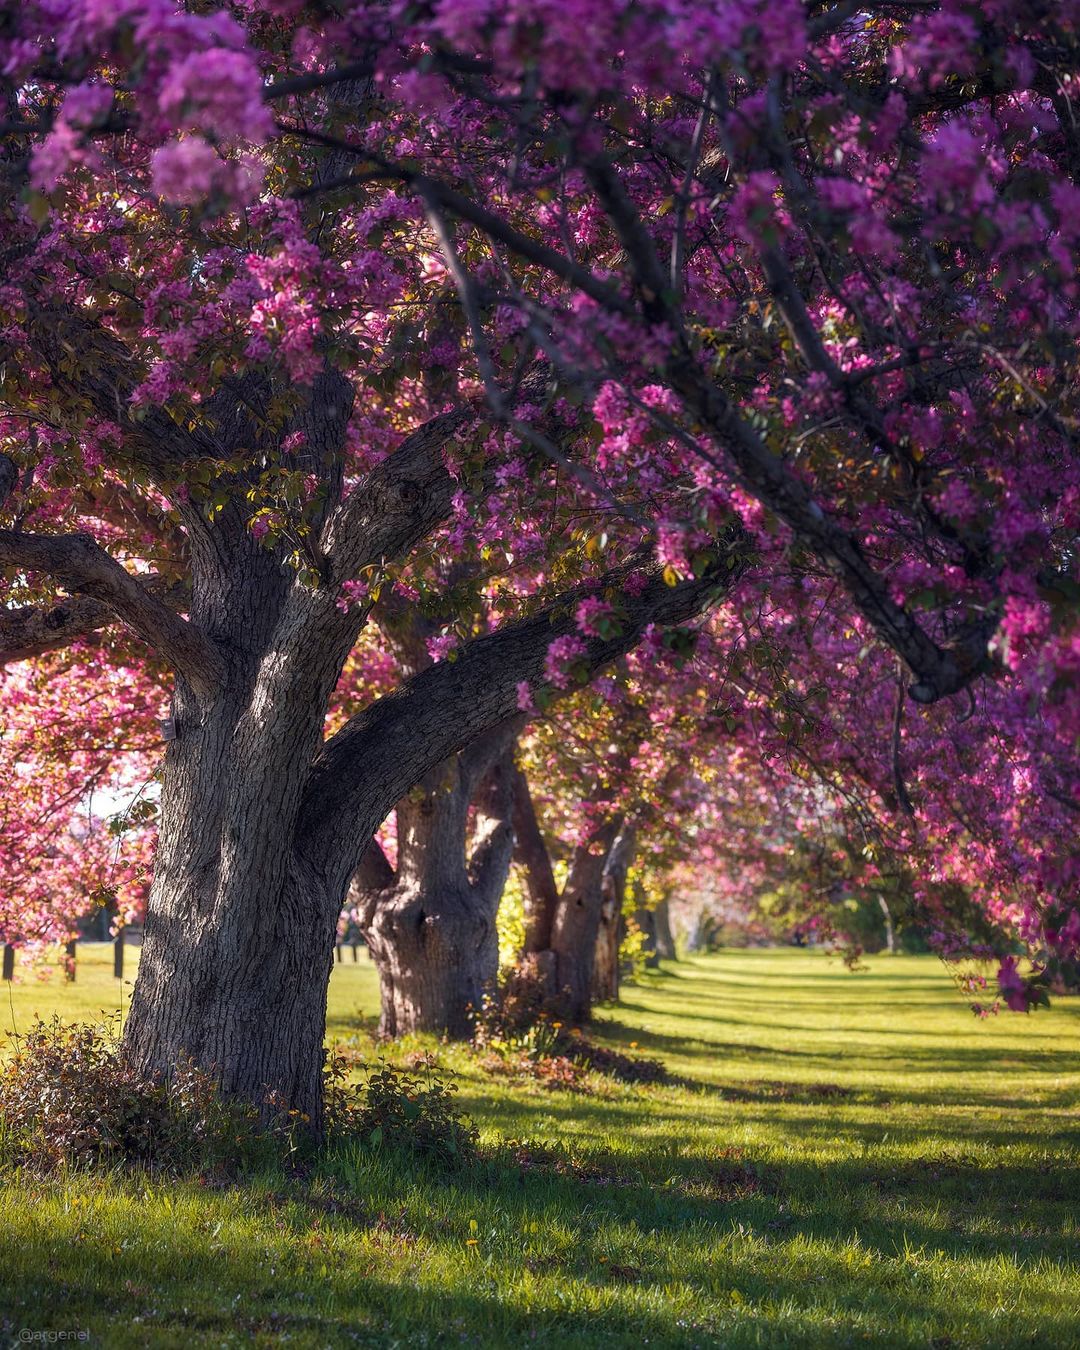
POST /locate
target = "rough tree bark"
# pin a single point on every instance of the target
(612, 926)
(658, 943)
(430, 924)
(562, 926)
(577, 921)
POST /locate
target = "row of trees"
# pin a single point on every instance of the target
(393, 373)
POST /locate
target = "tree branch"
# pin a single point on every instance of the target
(81, 566)
(398, 502)
(36, 629)
(381, 752)
(938, 671)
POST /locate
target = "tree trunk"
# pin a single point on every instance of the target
(530, 850)
(431, 925)
(605, 986)
(256, 1022)
(890, 935)
(577, 923)
(562, 928)
(662, 934)
(695, 938)
(240, 929)
(612, 926)
(436, 954)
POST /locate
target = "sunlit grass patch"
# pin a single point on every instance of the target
(848, 1160)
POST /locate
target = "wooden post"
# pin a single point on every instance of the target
(69, 966)
(9, 961)
(118, 956)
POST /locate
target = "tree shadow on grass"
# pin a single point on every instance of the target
(708, 1241)
(961, 1061)
(810, 1111)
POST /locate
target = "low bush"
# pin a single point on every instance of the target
(68, 1099)
(409, 1111)
(517, 1025)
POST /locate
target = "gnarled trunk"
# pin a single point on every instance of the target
(436, 954)
(252, 1014)
(577, 922)
(431, 924)
(562, 927)
(606, 968)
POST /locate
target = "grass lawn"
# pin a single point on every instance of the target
(854, 1159)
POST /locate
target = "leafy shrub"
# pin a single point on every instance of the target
(403, 1111)
(68, 1098)
(521, 1001)
(516, 1023)
(552, 1071)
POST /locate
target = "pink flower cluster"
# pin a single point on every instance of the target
(563, 660)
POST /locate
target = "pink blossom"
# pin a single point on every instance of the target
(562, 654)
(185, 171)
(218, 92)
(594, 617)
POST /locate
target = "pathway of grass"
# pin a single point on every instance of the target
(855, 1160)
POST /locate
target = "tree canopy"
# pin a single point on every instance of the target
(740, 333)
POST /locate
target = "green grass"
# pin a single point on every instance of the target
(855, 1160)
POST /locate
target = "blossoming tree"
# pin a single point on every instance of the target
(296, 300)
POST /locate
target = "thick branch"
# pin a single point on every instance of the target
(375, 872)
(493, 845)
(8, 476)
(105, 376)
(36, 629)
(399, 502)
(81, 566)
(484, 755)
(388, 747)
(531, 852)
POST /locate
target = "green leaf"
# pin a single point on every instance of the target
(38, 205)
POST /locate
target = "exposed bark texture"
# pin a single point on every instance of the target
(577, 923)
(658, 942)
(572, 937)
(88, 572)
(612, 927)
(430, 925)
(561, 927)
